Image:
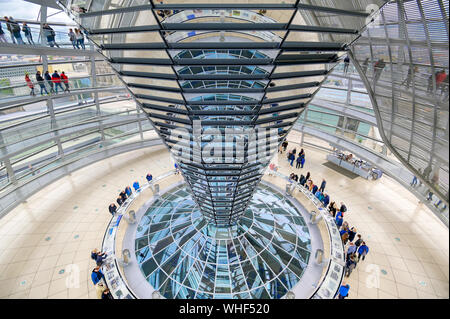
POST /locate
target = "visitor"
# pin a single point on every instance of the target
(346, 64)
(73, 39)
(123, 195)
(30, 84)
(107, 294)
(325, 200)
(339, 220)
(298, 162)
(430, 195)
(50, 34)
(308, 175)
(112, 209)
(302, 152)
(351, 250)
(302, 163)
(40, 81)
(333, 209)
(98, 256)
(322, 185)
(2, 34)
(344, 235)
(319, 195)
(363, 250)
(414, 181)
(65, 80)
(359, 241)
(350, 265)
(285, 145)
(136, 186)
(177, 171)
(378, 69)
(128, 191)
(56, 79)
(27, 31)
(97, 275)
(15, 30)
(343, 291)
(343, 208)
(49, 81)
(444, 87)
(99, 288)
(149, 178)
(80, 38)
(119, 201)
(351, 234)
(291, 158)
(9, 28)
(314, 189)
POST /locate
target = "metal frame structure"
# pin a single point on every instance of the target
(412, 39)
(144, 50)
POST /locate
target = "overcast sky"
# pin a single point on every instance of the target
(20, 9)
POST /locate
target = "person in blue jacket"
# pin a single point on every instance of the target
(339, 220)
(303, 161)
(136, 186)
(314, 189)
(97, 275)
(363, 250)
(128, 191)
(322, 186)
(343, 291)
(326, 200)
(149, 177)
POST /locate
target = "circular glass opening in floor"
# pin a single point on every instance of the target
(263, 256)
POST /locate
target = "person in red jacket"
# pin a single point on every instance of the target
(56, 79)
(30, 84)
(65, 80)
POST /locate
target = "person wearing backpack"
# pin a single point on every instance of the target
(48, 79)
(49, 33)
(27, 31)
(73, 38)
(16, 31)
(40, 81)
(97, 275)
(9, 27)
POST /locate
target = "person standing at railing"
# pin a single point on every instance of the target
(15, 27)
(73, 38)
(80, 38)
(49, 33)
(27, 31)
(40, 81)
(30, 84)
(346, 64)
(2, 35)
(65, 80)
(48, 79)
(56, 79)
(9, 27)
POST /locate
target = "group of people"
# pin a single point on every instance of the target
(15, 31)
(53, 81)
(355, 247)
(300, 162)
(97, 276)
(76, 36)
(125, 194)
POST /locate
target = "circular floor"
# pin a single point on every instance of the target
(182, 256)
